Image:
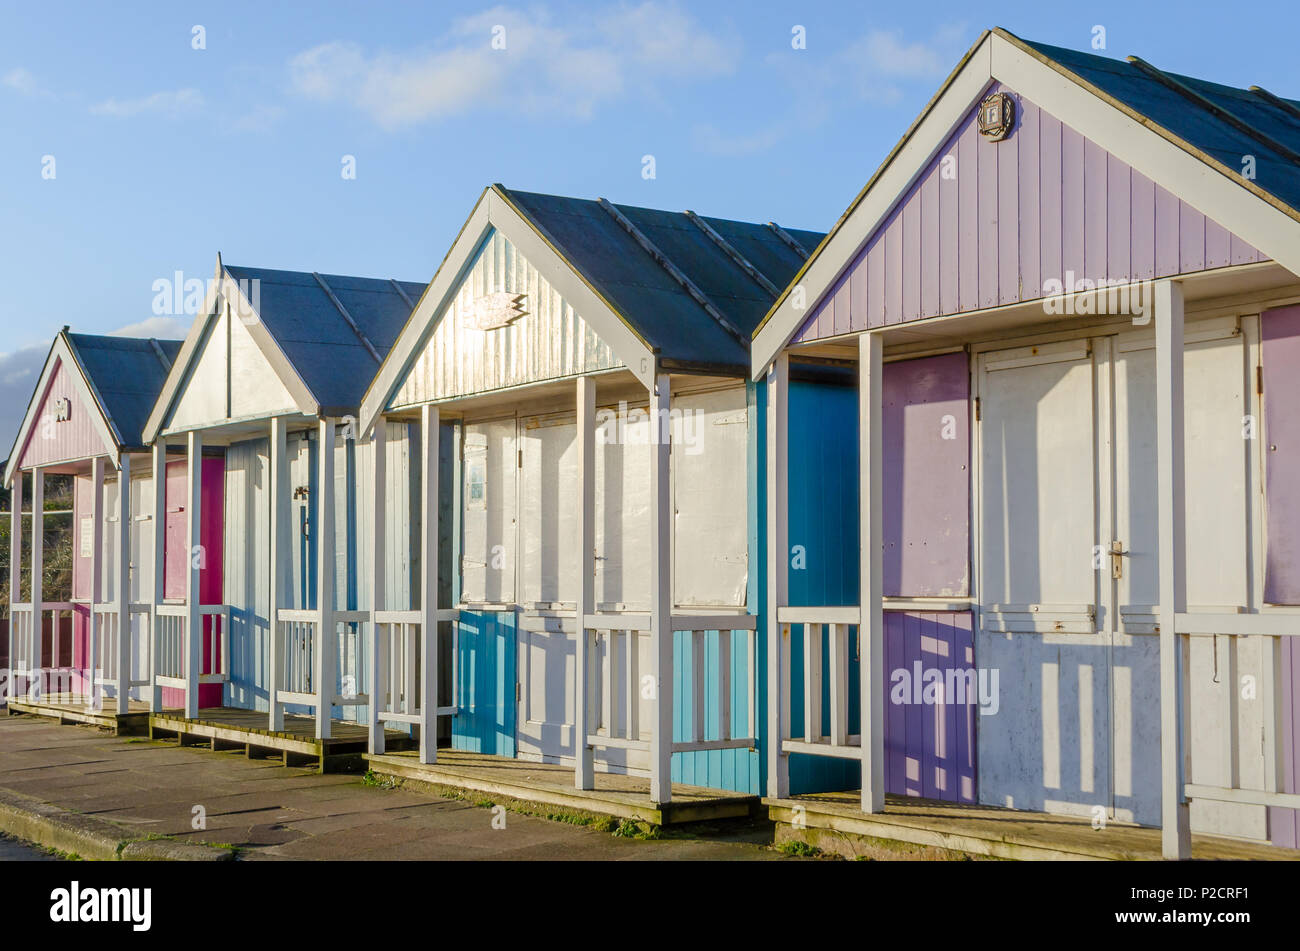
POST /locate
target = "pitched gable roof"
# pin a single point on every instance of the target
(335, 330)
(117, 378)
(126, 375)
(324, 335)
(666, 290)
(1189, 136)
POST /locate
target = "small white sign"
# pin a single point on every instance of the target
(87, 537)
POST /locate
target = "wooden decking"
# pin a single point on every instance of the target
(547, 784)
(233, 727)
(920, 828)
(71, 708)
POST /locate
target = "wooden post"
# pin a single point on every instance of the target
(1176, 839)
(378, 580)
(93, 642)
(871, 629)
(124, 585)
(430, 421)
(279, 485)
(778, 578)
(196, 558)
(586, 564)
(38, 579)
(661, 592)
(15, 576)
(326, 648)
(159, 542)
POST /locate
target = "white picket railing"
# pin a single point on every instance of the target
(23, 622)
(819, 623)
(21, 626)
(297, 642)
(399, 648)
(169, 645)
(613, 683)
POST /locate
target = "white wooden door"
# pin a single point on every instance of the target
(1047, 747)
(548, 579)
(1069, 575)
(489, 465)
(1224, 730)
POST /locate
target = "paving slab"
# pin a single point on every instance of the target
(133, 791)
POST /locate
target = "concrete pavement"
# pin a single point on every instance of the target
(267, 811)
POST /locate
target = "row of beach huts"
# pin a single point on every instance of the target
(990, 495)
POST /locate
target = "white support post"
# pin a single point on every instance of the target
(279, 485)
(326, 650)
(38, 581)
(159, 566)
(778, 587)
(430, 422)
(123, 565)
(661, 592)
(871, 630)
(95, 640)
(584, 771)
(196, 557)
(15, 575)
(378, 581)
(1176, 839)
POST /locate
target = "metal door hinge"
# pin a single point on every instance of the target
(977, 409)
(519, 693)
(1259, 380)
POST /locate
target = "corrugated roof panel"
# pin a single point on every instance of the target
(658, 307)
(1199, 127)
(128, 375)
(317, 340)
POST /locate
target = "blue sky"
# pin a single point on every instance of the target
(164, 154)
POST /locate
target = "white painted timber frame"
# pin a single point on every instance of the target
(661, 592)
(15, 573)
(194, 558)
(94, 700)
(495, 210)
(158, 538)
(430, 424)
(122, 562)
(324, 651)
(778, 581)
(871, 626)
(584, 766)
(224, 294)
(378, 576)
(1216, 191)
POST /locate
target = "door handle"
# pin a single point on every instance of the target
(1117, 554)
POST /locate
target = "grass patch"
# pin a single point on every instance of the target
(799, 849)
(371, 778)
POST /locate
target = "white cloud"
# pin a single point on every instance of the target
(170, 103)
(161, 328)
(258, 119)
(571, 69)
(22, 80)
(882, 62)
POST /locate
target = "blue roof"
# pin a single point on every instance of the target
(327, 353)
(1208, 127)
(644, 292)
(127, 374)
